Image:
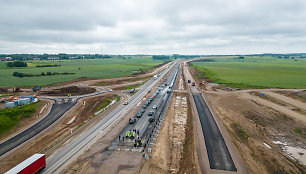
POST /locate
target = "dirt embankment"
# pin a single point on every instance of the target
(173, 151)
(110, 82)
(58, 134)
(73, 90)
(254, 127)
(297, 95)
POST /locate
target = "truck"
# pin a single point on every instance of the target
(155, 77)
(193, 83)
(33, 164)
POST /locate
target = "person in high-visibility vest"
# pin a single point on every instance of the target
(130, 135)
(127, 134)
(134, 134)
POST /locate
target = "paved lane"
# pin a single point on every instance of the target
(218, 154)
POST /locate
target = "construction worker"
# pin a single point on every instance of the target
(127, 134)
(134, 134)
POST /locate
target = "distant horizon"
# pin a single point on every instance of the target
(156, 54)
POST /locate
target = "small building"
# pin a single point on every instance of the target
(6, 59)
(36, 59)
(10, 104)
(53, 58)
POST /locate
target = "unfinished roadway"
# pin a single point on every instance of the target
(216, 153)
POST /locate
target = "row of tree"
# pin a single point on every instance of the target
(20, 74)
(17, 64)
(160, 57)
(24, 57)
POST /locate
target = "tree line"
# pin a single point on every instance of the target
(20, 74)
(17, 64)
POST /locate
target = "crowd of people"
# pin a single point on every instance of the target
(133, 135)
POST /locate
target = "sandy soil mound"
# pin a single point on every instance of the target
(73, 90)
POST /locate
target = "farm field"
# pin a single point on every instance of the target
(91, 68)
(254, 72)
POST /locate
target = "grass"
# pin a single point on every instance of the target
(10, 117)
(91, 68)
(298, 130)
(107, 102)
(241, 132)
(5, 95)
(255, 72)
(104, 104)
(101, 84)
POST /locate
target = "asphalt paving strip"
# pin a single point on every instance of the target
(56, 112)
(218, 153)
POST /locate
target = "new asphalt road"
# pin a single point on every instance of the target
(218, 154)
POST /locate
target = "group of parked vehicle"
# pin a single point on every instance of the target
(151, 113)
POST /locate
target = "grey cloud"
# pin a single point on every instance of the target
(198, 26)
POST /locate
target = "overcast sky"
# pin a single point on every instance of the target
(153, 26)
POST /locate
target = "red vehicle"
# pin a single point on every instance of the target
(31, 165)
(193, 83)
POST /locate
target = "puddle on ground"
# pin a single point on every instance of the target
(296, 153)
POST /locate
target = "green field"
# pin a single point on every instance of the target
(254, 72)
(10, 117)
(91, 68)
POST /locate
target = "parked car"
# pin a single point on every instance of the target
(154, 107)
(132, 120)
(150, 99)
(126, 102)
(144, 106)
(142, 110)
(151, 113)
(151, 119)
(139, 114)
(147, 103)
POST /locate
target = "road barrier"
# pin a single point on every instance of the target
(161, 115)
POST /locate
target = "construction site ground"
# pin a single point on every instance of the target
(69, 126)
(266, 126)
(175, 147)
(102, 158)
